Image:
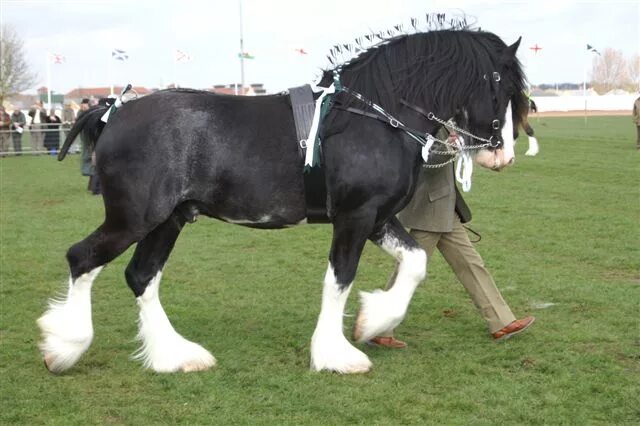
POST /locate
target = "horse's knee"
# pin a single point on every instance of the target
(345, 271)
(79, 259)
(137, 279)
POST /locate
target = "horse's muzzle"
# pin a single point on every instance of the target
(495, 160)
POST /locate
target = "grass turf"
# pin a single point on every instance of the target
(561, 228)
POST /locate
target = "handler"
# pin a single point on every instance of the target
(435, 216)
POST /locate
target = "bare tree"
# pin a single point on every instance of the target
(15, 75)
(633, 67)
(609, 71)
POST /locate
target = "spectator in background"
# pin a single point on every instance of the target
(18, 121)
(5, 126)
(87, 159)
(52, 137)
(636, 119)
(38, 116)
(68, 118)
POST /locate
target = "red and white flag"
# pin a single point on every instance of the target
(182, 57)
(57, 58)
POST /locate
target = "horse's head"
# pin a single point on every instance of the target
(495, 108)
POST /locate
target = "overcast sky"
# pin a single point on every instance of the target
(86, 31)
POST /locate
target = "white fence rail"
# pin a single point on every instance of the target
(593, 103)
(32, 141)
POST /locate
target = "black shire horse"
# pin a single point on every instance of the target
(167, 157)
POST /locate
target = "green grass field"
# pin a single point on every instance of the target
(561, 228)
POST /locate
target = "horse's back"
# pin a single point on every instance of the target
(235, 156)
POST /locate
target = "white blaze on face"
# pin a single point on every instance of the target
(503, 157)
(507, 137)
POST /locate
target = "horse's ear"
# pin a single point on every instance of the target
(511, 50)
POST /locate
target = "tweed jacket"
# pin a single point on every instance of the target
(435, 201)
(636, 112)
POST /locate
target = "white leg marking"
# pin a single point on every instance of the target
(330, 350)
(163, 349)
(67, 329)
(382, 311)
(533, 147)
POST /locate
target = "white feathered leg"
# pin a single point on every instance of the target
(67, 328)
(533, 147)
(163, 349)
(381, 311)
(330, 350)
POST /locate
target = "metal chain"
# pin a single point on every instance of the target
(432, 116)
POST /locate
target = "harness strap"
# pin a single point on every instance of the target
(303, 107)
(416, 108)
(421, 137)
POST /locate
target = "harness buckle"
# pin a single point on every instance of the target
(303, 143)
(393, 122)
(495, 124)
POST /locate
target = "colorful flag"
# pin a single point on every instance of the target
(181, 56)
(57, 58)
(245, 55)
(592, 49)
(119, 55)
(535, 48)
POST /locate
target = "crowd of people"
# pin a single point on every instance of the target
(45, 130)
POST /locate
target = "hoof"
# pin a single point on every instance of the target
(198, 366)
(336, 354)
(63, 341)
(48, 360)
(174, 354)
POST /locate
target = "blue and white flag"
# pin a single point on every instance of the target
(119, 55)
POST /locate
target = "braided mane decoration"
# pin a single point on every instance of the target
(426, 68)
(340, 55)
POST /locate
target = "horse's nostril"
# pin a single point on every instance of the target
(513, 160)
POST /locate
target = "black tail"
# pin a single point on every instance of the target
(90, 124)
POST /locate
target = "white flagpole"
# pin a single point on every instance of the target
(175, 68)
(48, 81)
(110, 76)
(241, 53)
(584, 92)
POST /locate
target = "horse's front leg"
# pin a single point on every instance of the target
(330, 350)
(382, 311)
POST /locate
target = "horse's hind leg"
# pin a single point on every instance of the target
(67, 328)
(533, 142)
(382, 311)
(330, 350)
(163, 349)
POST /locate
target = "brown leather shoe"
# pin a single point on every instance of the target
(517, 326)
(387, 342)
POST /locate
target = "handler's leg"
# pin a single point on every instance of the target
(469, 267)
(382, 311)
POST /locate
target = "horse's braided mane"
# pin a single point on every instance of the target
(440, 65)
